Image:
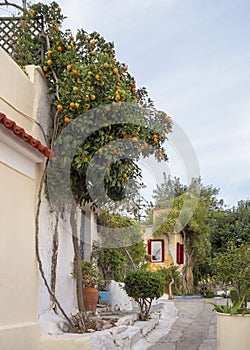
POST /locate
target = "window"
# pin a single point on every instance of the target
(180, 253)
(156, 250)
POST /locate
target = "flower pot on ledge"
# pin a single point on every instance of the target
(90, 298)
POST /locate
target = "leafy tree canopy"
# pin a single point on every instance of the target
(230, 226)
(83, 73)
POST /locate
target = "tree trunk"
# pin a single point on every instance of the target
(186, 265)
(54, 262)
(78, 267)
(170, 289)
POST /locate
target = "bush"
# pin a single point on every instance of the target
(231, 270)
(171, 274)
(144, 286)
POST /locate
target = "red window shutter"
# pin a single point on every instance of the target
(180, 253)
(149, 247)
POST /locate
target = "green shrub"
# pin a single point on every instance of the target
(144, 286)
(171, 274)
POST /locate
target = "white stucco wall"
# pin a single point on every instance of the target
(16, 93)
(19, 177)
(65, 282)
(24, 300)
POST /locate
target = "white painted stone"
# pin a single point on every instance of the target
(147, 326)
(102, 340)
(119, 300)
(128, 320)
(128, 338)
(118, 329)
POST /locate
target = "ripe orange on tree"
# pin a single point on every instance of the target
(115, 71)
(59, 107)
(59, 49)
(66, 119)
(72, 105)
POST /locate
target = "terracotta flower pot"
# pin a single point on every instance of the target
(90, 298)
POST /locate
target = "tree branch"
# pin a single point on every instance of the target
(7, 3)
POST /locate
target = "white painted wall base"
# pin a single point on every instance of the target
(65, 342)
(21, 336)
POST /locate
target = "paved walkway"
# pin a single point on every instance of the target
(194, 328)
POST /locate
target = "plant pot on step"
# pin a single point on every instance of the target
(90, 298)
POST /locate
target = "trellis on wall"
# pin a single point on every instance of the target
(13, 28)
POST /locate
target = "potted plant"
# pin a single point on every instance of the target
(91, 279)
(232, 271)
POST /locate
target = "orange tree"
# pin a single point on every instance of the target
(83, 75)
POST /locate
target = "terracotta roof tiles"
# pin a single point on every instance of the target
(20, 132)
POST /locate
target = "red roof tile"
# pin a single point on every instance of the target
(20, 132)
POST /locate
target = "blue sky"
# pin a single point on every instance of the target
(194, 59)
